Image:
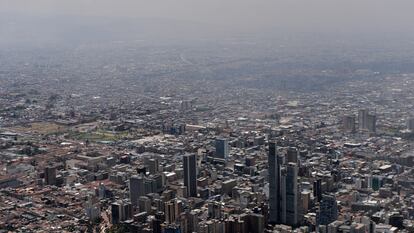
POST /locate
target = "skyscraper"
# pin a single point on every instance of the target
(372, 123)
(348, 123)
(328, 210)
(222, 148)
(50, 175)
(367, 121)
(140, 186)
(317, 189)
(173, 209)
(152, 165)
(292, 155)
(291, 195)
(362, 118)
(190, 174)
(136, 188)
(274, 184)
(120, 211)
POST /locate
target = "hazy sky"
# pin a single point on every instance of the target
(24, 22)
(384, 14)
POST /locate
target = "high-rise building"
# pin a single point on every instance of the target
(292, 155)
(50, 175)
(372, 123)
(222, 148)
(189, 221)
(190, 174)
(144, 204)
(156, 225)
(152, 165)
(120, 211)
(274, 184)
(115, 213)
(136, 188)
(317, 190)
(193, 221)
(348, 123)
(140, 186)
(367, 121)
(157, 222)
(254, 223)
(173, 210)
(362, 119)
(291, 205)
(92, 207)
(328, 210)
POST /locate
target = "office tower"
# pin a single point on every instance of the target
(156, 225)
(348, 123)
(120, 211)
(92, 208)
(372, 123)
(144, 204)
(150, 185)
(291, 196)
(222, 148)
(188, 221)
(367, 121)
(115, 216)
(190, 174)
(126, 210)
(152, 165)
(159, 182)
(292, 155)
(328, 210)
(254, 223)
(136, 188)
(140, 186)
(193, 221)
(317, 190)
(362, 119)
(376, 183)
(410, 124)
(274, 184)
(50, 175)
(173, 210)
(101, 191)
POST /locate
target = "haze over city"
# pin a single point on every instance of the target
(219, 116)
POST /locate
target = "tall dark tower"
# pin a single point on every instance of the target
(222, 148)
(190, 174)
(291, 198)
(136, 188)
(274, 184)
(50, 175)
(317, 189)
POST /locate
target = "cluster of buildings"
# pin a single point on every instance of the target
(281, 181)
(221, 156)
(366, 121)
